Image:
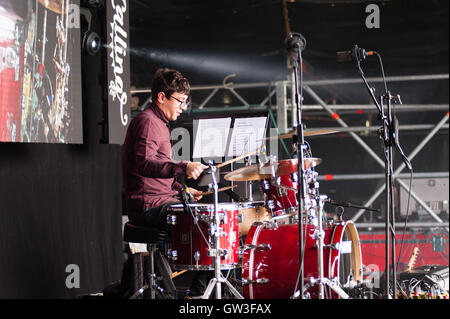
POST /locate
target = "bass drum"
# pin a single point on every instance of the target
(270, 265)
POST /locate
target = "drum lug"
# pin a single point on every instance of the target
(172, 254)
(220, 232)
(260, 247)
(196, 257)
(257, 281)
(282, 191)
(171, 219)
(223, 217)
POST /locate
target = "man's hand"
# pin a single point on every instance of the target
(196, 193)
(194, 169)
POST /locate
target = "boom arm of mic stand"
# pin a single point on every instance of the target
(372, 95)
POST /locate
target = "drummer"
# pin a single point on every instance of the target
(149, 173)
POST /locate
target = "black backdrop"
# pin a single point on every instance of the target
(61, 205)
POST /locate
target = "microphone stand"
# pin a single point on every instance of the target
(301, 194)
(387, 135)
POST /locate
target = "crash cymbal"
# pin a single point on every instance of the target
(306, 133)
(280, 168)
(219, 190)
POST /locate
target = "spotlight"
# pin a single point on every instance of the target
(91, 43)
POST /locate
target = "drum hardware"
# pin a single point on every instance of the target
(257, 281)
(172, 254)
(271, 204)
(344, 247)
(333, 284)
(249, 188)
(260, 247)
(171, 219)
(215, 251)
(282, 191)
(290, 213)
(196, 258)
(270, 225)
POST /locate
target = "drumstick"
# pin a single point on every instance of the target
(219, 190)
(175, 274)
(237, 158)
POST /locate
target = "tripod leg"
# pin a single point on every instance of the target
(233, 290)
(208, 289)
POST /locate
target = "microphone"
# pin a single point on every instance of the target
(295, 40)
(355, 54)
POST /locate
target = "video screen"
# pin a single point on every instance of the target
(40, 71)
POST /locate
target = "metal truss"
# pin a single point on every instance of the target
(285, 111)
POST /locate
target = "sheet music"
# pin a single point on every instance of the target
(211, 137)
(247, 135)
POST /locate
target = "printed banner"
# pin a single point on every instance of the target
(118, 65)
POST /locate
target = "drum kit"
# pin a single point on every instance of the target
(262, 238)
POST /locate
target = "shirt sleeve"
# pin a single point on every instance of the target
(149, 162)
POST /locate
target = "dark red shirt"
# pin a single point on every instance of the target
(148, 169)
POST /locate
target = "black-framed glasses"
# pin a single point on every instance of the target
(181, 102)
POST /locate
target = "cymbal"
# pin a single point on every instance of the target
(219, 190)
(280, 168)
(306, 133)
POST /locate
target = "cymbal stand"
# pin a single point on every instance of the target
(215, 252)
(249, 188)
(319, 236)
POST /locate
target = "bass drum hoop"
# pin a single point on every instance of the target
(348, 229)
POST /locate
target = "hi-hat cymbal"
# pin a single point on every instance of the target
(279, 168)
(219, 190)
(306, 133)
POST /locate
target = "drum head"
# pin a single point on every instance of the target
(347, 262)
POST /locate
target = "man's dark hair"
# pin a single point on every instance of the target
(169, 81)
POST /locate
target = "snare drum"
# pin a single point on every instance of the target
(270, 265)
(191, 236)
